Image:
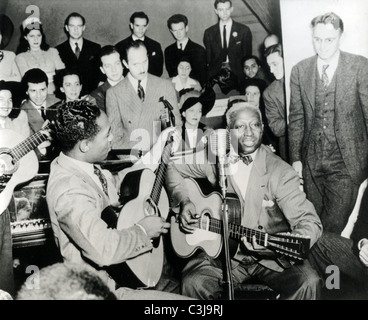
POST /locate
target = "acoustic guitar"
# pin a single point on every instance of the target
(208, 235)
(141, 194)
(18, 161)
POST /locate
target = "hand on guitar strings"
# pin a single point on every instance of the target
(42, 147)
(154, 226)
(188, 216)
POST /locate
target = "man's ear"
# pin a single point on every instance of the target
(84, 146)
(102, 70)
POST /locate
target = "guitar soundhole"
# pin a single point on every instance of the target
(7, 163)
(150, 209)
(204, 222)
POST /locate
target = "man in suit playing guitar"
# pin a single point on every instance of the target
(78, 191)
(270, 200)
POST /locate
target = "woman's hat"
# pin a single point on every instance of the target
(32, 23)
(6, 30)
(206, 98)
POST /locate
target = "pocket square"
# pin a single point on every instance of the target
(267, 203)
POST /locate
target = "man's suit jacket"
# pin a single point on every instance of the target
(100, 95)
(197, 55)
(154, 51)
(75, 203)
(34, 118)
(273, 199)
(351, 111)
(275, 109)
(240, 45)
(127, 113)
(87, 63)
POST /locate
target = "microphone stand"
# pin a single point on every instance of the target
(227, 277)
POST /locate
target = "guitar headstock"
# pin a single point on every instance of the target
(169, 116)
(294, 246)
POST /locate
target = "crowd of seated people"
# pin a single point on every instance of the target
(115, 98)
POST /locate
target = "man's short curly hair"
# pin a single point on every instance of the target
(62, 281)
(75, 121)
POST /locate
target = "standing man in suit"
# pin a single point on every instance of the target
(133, 105)
(183, 46)
(138, 25)
(328, 123)
(274, 99)
(271, 201)
(226, 42)
(80, 52)
(111, 66)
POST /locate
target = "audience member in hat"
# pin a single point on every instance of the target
(194, 105)
(34, 52)
(182, 81)
(8, 68)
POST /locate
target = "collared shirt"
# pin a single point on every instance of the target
(332, 65)
(73, 42)
(87, 168)
(114, 83)
(38, 108)
(134, 37)
(241, 172)
(184, 43)
(134, 82)
(179, 86)
(229, 24)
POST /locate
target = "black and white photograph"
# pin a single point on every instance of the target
(186, 155)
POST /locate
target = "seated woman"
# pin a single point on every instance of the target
(69, 86)
(194, 105)
(8, 68)
(11, 117)
(183, 82)
(34, 52)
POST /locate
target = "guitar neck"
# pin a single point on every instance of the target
(161, 172)
(237, 231)
(29, 144)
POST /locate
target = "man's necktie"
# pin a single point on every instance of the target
(224, 58)
(43, 113)
(140, 91)
(102, 179)
(246, 159)
(181, 46)
(325, 76)
(77, 50)
(1, 55)
(224, 36)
